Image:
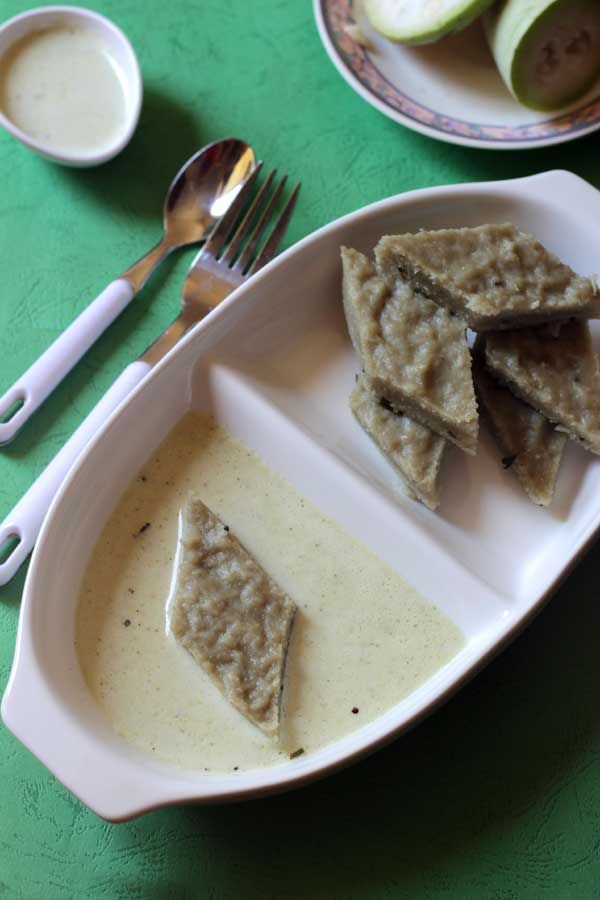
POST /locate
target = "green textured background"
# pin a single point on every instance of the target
(498, 794)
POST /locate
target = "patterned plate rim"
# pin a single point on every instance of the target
(334, 17)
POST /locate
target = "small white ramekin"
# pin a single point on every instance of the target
(123, 53)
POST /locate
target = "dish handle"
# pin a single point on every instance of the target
(20, 529)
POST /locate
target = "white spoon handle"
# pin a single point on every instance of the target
(25, 521)
(49, 370)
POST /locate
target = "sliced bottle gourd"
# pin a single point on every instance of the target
(547, 51)
(422, 21)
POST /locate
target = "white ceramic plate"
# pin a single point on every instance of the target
(275, 366)
(450, 91)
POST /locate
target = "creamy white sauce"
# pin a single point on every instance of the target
(62, 87)
(362, 640)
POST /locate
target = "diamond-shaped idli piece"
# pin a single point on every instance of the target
(531, 447)
(231, 617)
(413, 450)
(413, 352)
(495, 276)
(555, 370)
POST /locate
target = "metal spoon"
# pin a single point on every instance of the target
(198, 196)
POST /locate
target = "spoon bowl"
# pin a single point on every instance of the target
(201, 192)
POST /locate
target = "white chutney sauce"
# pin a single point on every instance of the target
(62, 87)
(363, 638)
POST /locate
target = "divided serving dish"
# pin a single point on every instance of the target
(274, 365)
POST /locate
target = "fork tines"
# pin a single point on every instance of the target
(236, 242)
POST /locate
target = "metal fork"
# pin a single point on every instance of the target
(230, 256)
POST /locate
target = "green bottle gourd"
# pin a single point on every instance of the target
(422, 21)
(547, 51)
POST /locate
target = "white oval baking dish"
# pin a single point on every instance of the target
(275, 366)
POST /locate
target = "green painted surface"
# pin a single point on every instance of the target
(498, 794)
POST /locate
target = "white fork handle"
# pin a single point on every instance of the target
(49, 370)
(25, 521)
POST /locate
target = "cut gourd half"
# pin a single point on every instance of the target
(547, 51)
(422, 21)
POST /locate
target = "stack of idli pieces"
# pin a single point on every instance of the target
(533, 366)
